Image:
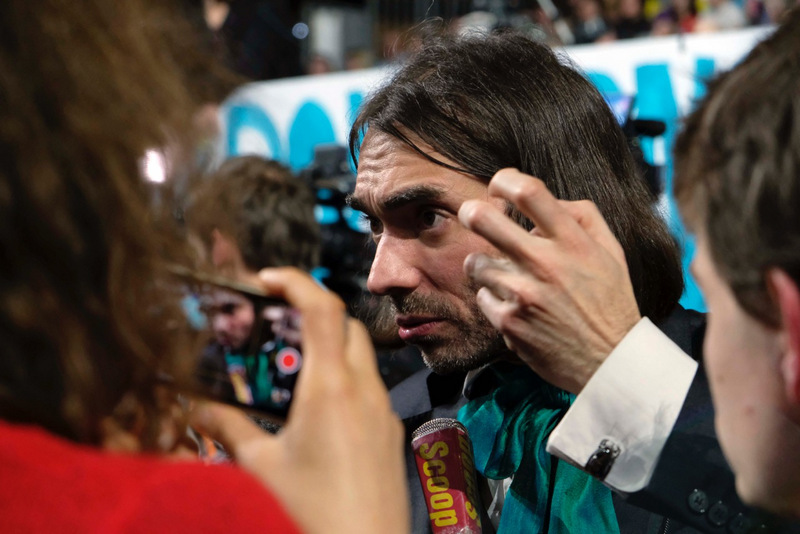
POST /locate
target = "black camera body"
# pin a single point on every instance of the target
(346, 255)
(260, 373)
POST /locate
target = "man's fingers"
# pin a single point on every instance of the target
(494, 308)
(534, 200)
(492, 273)
(588, 216)
(493, 225)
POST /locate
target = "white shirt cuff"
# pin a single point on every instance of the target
(632, 400)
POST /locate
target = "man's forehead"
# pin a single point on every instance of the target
(392, 174)
(380, 153)
(397, 199)
(378, 146)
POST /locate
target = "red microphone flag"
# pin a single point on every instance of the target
(446, 469)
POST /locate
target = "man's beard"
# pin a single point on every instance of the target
(475, 344)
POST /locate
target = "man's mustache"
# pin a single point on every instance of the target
(420, 304)
(417, 304)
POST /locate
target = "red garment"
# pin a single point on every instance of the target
(48, 484)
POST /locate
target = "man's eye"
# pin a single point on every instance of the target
(228, 309)
(375, 225)
(429, 218)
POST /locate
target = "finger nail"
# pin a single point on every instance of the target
(474, 263)
(466, 211)
(469, 264)
(482, 296)
(506, 180)
(506, 173)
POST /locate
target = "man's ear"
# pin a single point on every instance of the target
(787, 294)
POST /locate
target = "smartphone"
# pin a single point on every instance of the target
(252, 350)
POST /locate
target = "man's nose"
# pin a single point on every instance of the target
(394, 270)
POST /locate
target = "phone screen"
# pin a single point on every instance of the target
(252, 351)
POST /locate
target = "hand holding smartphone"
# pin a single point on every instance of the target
(253, 352)
(340, 426)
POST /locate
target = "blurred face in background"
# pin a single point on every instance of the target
(587, 10)
(682, 7)
(232, 317)
(743, 359)
(630, 9)
(663, 25)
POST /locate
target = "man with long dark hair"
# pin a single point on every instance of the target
(427, 144)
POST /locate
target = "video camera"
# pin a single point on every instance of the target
(635, 129)
(346, 246)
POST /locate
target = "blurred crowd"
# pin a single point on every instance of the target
(593, 21)
(261, 42)
(574, 22)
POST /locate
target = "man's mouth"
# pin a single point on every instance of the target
(415, 326)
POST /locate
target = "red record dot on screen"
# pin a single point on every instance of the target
(288, 360)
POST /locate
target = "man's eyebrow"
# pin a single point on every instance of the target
(413, 194)
(355, 203)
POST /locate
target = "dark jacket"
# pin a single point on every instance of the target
(692, 489)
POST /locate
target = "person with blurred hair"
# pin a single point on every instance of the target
(631, 22)
(738, 186)
(92, 327)
(253, 213)
(588, 22)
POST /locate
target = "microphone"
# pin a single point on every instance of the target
(446, 468)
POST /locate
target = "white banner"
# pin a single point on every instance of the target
(285, 119)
